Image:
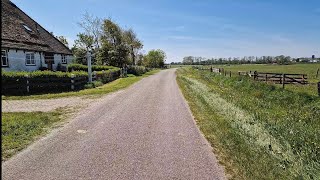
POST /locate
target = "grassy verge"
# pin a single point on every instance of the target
(107, 88)
(258, 130)
(19, 129)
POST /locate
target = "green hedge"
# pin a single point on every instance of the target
(80, 67)
(107, 76)
(58, 74)
(137, 70)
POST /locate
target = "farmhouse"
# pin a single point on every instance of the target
(27, 46)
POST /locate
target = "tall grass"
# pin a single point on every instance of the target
(260, 131)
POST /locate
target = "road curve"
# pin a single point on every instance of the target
(143, 132)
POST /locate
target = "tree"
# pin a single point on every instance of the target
(84, 41)
(92, 26)
(188, 60)
(133, 43)
(155, 58)
(114, 48)
(140, 58)
(63, 40)
(81, 46)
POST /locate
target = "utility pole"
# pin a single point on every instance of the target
(89, 66)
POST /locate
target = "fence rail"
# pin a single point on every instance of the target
(27, 85)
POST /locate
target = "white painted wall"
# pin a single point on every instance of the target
(17, 61)
(58, 59)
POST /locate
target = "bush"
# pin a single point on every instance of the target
(80, 67)
(137, 70)
(97, 83)
(107, 76)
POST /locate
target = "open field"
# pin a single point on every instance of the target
(258, 130)
(98, 91)
(309, 69)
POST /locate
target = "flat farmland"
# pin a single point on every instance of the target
(309, 69)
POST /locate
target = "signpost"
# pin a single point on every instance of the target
(89, 66)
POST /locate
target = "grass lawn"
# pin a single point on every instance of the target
(257, 130)
(19, 129)
(98, 91)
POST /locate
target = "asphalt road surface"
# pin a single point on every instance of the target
(144, 132)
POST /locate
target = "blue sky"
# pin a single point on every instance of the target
(207, 28)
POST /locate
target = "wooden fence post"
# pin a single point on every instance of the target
(72, 81)
(317, 73)
(255, 75)
(27, 83)
(266, 78)
(283, 80)
(230, 73)
(319, 88)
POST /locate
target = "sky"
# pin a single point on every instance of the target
(206, 28)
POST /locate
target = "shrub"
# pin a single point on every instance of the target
(137, 70)
(80, 67)
(97, 83)
(107, 76)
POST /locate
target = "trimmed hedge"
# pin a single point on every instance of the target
(80, 67)
(137, 70)
(39, 74)
(107, 76)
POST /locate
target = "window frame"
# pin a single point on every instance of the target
(64, 59)
(34, 59)
(7, 59)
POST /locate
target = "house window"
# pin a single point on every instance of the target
(4, 58)
(30, 59)
(63, 59)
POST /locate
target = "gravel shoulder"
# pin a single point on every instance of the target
(43, 105)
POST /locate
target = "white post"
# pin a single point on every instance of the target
(89, 66)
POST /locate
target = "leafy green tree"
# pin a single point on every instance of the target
(114, 48)
(81, 46)
(134, 44)
(155, 58)
(63, 40)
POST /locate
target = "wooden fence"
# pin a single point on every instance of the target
(27, 85)
(280, 78)
(277, 78)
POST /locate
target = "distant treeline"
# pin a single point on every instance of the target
(191, 60)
